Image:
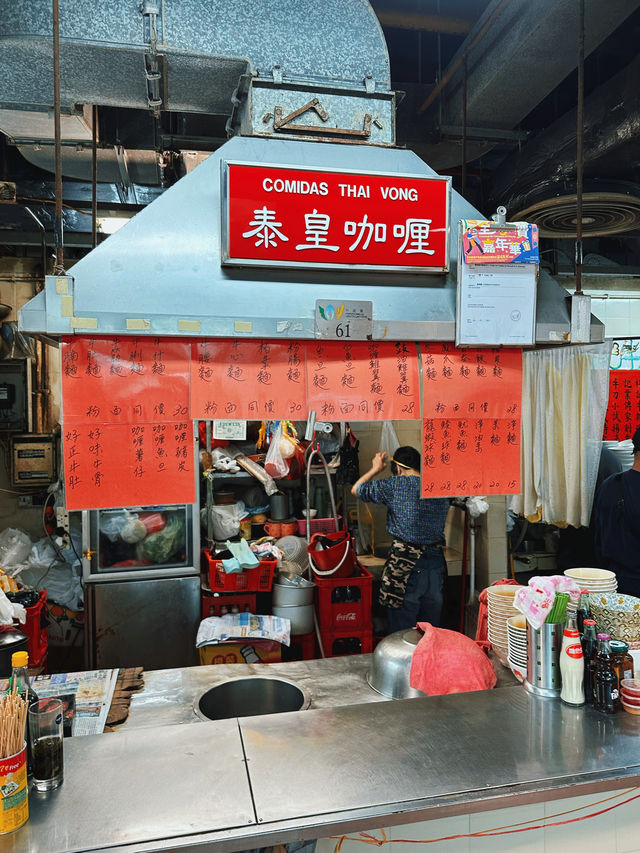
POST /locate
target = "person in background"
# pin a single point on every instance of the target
(616, 521)
(413, 578)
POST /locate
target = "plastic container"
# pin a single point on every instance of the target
(344, 603)
(259, 579)
(630, 700)
(631, 709)
(35, 629)
(318, 525)
(631, 686)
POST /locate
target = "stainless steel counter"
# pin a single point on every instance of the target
(239, 784)
(168, 694)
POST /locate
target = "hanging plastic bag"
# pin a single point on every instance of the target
(388, 440)
(276, 464)
(225, 519)
(15, 547)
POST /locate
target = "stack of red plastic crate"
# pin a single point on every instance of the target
(234, 592)
(343, 607)
(35, 629)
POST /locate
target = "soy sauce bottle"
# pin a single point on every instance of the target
(20, 677)
(606, 679)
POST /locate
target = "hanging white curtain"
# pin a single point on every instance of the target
(564, 401)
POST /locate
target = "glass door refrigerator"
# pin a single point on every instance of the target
(141, 579)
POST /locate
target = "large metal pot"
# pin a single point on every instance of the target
(391, 664)
(296, 592)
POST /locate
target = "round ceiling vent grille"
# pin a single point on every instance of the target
(602, 213)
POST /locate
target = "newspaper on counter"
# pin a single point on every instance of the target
(93, 691)
(242, 626)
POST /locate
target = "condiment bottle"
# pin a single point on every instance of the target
(589, 649)
(583, 609)
(20, 680)
(572, 665)
(621, 660)
(606, 681)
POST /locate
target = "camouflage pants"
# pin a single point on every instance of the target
(395, 575)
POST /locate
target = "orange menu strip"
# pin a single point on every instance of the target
(363, 381)
(248, 380)
(623, 411)
(124, 379)
(470, 457)
(114, 465)
(471, 383)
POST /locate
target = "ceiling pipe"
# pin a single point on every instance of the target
(461, 58)
(58, 142)
(579, 147)
(424, 22)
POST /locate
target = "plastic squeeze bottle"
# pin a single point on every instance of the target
(572, 665)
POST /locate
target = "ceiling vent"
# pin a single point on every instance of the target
(602, 213)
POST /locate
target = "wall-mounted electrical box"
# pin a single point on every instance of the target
(33, 460)
(15, 395)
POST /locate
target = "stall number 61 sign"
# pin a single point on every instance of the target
(340, 320)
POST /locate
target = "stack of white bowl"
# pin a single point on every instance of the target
(499, 609)
(517, 645)
(595, 580)
(623, 450)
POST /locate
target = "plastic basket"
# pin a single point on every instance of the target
(35, 629)
(318, 525)
(259, 579)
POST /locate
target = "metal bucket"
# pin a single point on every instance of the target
(250, 697)
(543, 659)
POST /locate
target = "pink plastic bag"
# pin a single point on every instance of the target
(448, 662)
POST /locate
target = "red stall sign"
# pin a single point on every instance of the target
(470, 457)
(471, 383)
(623, 410)
(124, 379)
(281, 215)
(113, 465)
(363, 380)
(248, 380)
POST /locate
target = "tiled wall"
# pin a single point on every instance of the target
(620, 313)
(617, 831)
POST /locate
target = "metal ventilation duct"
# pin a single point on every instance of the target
(184, 55)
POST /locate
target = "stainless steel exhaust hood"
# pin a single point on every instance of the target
(161, 274)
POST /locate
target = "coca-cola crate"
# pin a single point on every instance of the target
(344, 604)
(213, 603)
(339, 643)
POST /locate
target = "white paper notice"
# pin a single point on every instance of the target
(496, 304)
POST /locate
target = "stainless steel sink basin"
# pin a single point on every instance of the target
(250, 697)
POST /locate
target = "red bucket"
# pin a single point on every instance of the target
(337, 559)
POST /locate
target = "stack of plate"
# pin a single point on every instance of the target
(499, 609)
(595, 580)
(623, 450)
(517, 645)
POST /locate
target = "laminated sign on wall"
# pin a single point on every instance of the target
(497, 282)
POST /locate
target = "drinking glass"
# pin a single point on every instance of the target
(46, 738)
